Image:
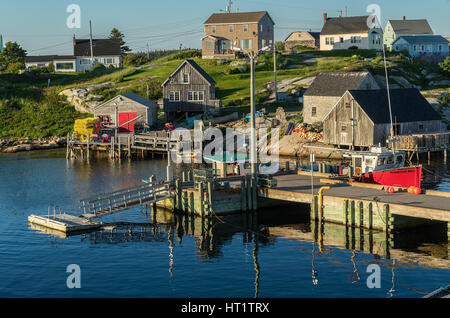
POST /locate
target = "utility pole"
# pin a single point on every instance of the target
(275, 83)
(148, 51)
(92, 48)
(181, 47)
(228, 9)
(252, 114)
(253, 155)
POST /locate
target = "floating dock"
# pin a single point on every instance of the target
(65, 223)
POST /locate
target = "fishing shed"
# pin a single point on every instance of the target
(130, 110)
(189, 91)
(361, 118)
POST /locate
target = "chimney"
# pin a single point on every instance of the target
(325, 17)
(404, 18)
(74, 42)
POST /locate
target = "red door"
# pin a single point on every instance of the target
(126, 117)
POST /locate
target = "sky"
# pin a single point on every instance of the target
(40, 26)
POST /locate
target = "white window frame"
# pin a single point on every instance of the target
(213, 29)
(209, 42)
(245, 27)
(196, 96)
(174, 96)
(231, 28)
(188, 78)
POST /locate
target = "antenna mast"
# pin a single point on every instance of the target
(228, 9)
(389, 99)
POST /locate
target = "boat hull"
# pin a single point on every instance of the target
(402, 177)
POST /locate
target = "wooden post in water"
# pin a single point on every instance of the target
(129, 146)
(87, 148)
(243, 196)
(67, 146)
(200, 195)
(210, 197)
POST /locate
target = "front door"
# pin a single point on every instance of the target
(124, 118)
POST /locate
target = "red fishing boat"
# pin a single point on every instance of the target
(385, 167)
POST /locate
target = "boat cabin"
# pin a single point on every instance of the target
(377, 159)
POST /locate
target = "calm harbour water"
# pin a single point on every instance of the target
(271, 254)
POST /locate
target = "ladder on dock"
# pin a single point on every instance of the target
(120, 200)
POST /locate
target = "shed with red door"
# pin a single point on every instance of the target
(129, 111)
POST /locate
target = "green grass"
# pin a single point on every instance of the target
(29, 97)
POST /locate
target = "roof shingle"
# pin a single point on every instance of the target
(411, 26)
(408, 105)
(101, 47)
(239, 17)
(345, 25)
(335, 84)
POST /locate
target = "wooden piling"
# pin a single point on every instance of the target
(201, 201)
(210, 198)
(243, 196)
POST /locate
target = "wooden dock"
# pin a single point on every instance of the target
(361, 206)
(102, 205)
(125, 145)
(64, 223)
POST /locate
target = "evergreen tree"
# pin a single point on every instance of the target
(116, 34)
(12, 55)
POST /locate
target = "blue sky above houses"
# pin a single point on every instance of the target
(40, 26)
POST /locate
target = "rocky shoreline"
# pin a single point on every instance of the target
(27, 144)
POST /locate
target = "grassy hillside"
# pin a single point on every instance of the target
(31, 108)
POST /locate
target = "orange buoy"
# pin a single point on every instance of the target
(391, 190)
(411, 189)
(417, 191)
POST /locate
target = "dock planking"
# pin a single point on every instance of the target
(297, 188)
(65, 223)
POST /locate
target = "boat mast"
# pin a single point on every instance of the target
(389, 99)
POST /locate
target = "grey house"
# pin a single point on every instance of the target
(361, 117)
(125, 108)
(189, 91)
(326, 90)
(302, 38)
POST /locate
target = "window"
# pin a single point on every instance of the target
(341, 39)
(231, 28)
(109, 60)
(355, 39)
(415, 48)
(420, 126)
(440, 48)
(185, 78)
(174, 96)
(264, 43)
(313, 111)
(209, 44)
(245, 27)
(85, 62)
(329, 40)
(245, 44)
(226, 45)
(104, 118)
(64, 66)
(196, 96)
(347, 105)
(344, 128)
(213, 29)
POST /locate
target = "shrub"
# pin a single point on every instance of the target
(445, 66)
